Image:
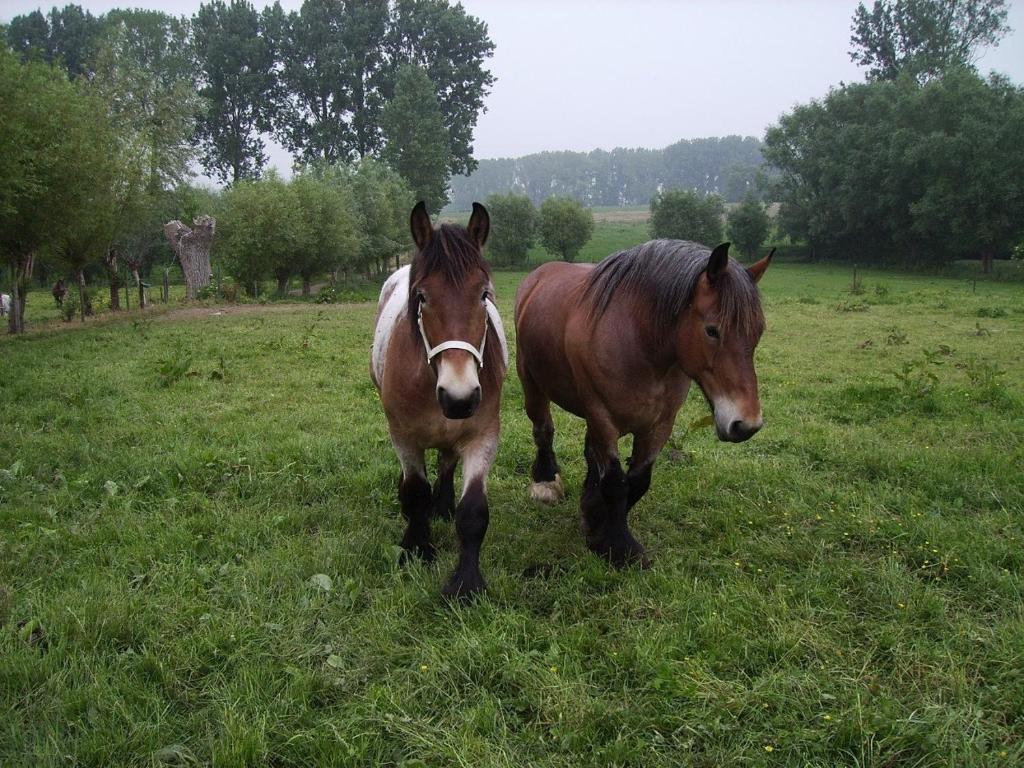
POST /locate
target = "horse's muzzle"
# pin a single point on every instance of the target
(458, 408)
(739, 431)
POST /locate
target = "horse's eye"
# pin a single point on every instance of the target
(711, 331)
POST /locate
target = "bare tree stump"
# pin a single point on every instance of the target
(192, 247)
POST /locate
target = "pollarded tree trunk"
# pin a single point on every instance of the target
(307, 285)
(282, 283)
(192, 247)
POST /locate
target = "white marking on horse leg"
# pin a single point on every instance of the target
(411, 459)
(477, 460)
(548, 491)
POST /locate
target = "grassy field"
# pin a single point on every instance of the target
(198, 520)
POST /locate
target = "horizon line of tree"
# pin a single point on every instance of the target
(728, 166)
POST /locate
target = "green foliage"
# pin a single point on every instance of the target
(328, 234)
(513, 228)
(565, 226)
(173, 369)
(748, 226)
(258, 230)
(383, 201)
(924, 39)
(682, 214)
(415, 139)
(238, 83)
(66, 37)
(887, 168)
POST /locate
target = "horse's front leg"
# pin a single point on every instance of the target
(471, 518)
(605, 502)
(414, 497)
(646, 447)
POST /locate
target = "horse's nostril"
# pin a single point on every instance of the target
(740, 430)
(458, 407)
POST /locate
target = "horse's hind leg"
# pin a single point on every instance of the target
(414, 497)
(547, 482)
(442, 500)
(471, 519)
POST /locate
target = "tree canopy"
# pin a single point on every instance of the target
(924, 38)
(893, 170)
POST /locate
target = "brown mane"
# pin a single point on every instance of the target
(663, 275)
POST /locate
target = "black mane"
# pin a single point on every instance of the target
(664, 274)
(452, 252)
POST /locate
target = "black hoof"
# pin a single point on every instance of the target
(464, 587)
(622, 552)
(425, 552)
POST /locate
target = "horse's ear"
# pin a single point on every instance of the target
(718, 262)
(420, 226)
(756, 270)
(479, 225)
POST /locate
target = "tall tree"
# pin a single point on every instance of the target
(416, 141)
(66, 36)
(145, 70)
(452, 47)
(330, 54)
(48, 147)
(924, 38)
(327, 233)
(239, 82)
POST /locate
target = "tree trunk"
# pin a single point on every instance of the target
(192, 247)
(110, 262)
(21, 271)
(84, 302)
(307, 286)
(986, 263)
(282, 285)
(138, 282)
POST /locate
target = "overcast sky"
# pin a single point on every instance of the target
(580, 74)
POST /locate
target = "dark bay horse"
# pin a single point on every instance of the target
(439, 360)
(619, 344)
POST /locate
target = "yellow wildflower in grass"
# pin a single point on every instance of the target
(424, 667)
(769, 748)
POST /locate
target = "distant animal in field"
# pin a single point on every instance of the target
(438, 361)
(5, 304)
(59, 292)
(619, 344)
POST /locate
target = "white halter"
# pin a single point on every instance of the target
(477, 353)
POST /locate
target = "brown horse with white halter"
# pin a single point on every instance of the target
(439, 360)
(619, 345)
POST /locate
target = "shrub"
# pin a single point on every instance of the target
(513, 228)
(748, 226)
(565, 226)
(682, 214)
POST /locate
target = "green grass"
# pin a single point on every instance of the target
(845, 588)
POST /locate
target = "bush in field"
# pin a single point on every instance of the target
(327, 227)
(383, 201)
(513, 228)
(258, 231)
(681, 214)
(565, 226)
(748, 226)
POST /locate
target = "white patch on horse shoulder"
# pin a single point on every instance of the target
(548, 491)
(391, 309)
(495, 317)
